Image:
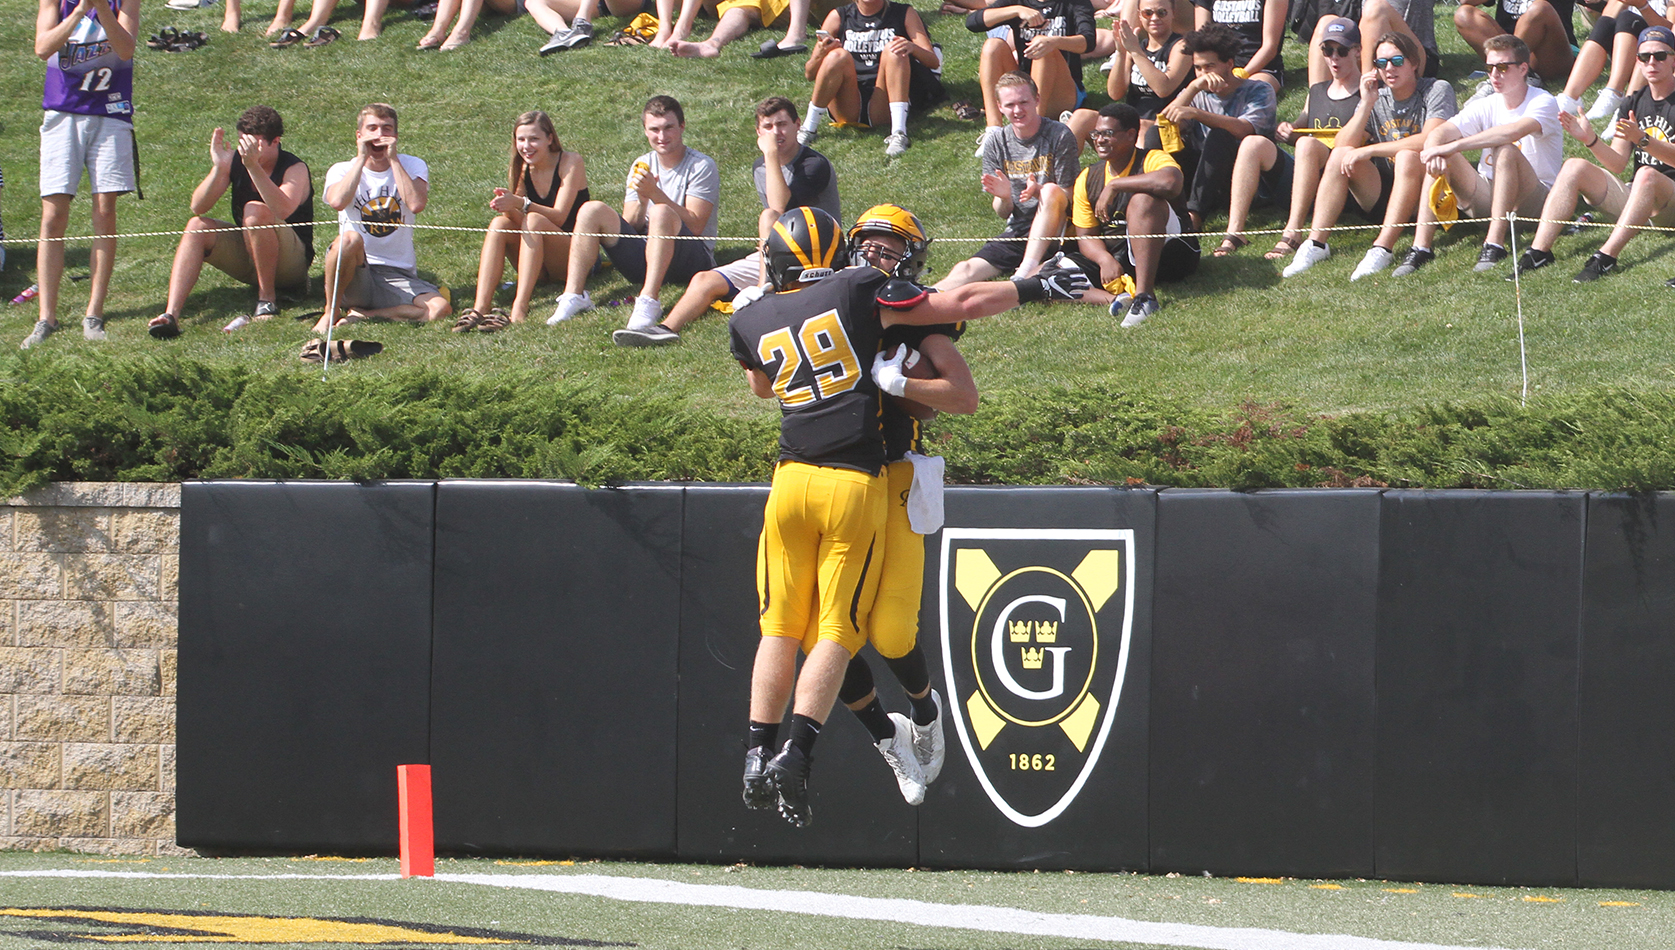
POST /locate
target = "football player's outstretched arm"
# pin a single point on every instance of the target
(1058, 279)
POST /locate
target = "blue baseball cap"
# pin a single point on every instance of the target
(1344, 30)
(1658, 34)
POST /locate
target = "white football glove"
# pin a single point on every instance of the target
(748, 296)
(886, 372)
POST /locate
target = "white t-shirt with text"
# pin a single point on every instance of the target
(377, 209)
(1544, 150)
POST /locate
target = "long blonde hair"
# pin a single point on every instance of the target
(542, 121)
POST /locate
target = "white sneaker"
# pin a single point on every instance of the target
(647, 311)
(983, 138)
(929, 746)
(1307, 256)
(1569, 104)
(1609, 132)
(1109, 64)
(1376, 260)
(1066, 116)
(806, 135)
(895, 144)
(1605, 105)
(568, 306)
(898, 751)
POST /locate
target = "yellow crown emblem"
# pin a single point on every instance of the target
(1018, 630)
(1046, 631)
(1033, 658)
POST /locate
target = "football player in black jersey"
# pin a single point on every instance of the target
(809, 345)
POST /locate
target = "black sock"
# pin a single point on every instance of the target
(914, 675)
(803, 733)
(1320, 244)
(877, 721)
(763, 734)
(924, 710)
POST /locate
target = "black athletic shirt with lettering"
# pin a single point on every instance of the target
(816, 347)
(865, 37)
(1063, 18)
(1657, 117)
(901, 429)
(1321, 111)
(1245, 17)
(1141, 95)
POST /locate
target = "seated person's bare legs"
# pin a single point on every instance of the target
(733, 24)
(995, 60)
(282, 17)
(1146, 214)
(1046, 229)
(1257, 154)
(969, 271)
(232, 18)
(595, 217)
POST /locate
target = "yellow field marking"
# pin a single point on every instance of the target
(1539, 899)
(1464, 894)
(1326, 887)
(1619, 903)
(207, 928)
(1260, 880)
(536, 864)
(1402, 890)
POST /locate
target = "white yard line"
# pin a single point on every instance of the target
(981, 917)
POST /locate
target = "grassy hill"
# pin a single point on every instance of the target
(1234, 335)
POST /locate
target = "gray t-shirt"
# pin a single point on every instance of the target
(1421, 18)
(1050, 155)
(696, 176)
(812, 180)
(1392, 120)
(1253, 101)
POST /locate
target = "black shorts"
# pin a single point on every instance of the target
(1004, 255)
(924, 91)
(628, 256)
(1386, 182)
(1178, 261)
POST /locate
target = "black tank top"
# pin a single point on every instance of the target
(548, 200)
(1141, 95)
(865, 37)
(244, 192)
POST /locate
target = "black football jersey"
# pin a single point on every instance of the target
(901, 430)
(816, 345)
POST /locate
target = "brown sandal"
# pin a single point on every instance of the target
(1284, 248)
(469, 320)
(1229, 244)
(496, 319)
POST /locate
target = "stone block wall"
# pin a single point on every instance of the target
(87, 668)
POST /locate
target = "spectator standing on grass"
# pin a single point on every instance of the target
(371, 270)
(269, 186)
(1214, 112)
(1517, 130)
(872, 44)
(88, 101)
(800, 178)
(1125, 223)
(1028, 169)
(546, 187)
(667, 228)
(1326, 111)
(1645, 141)
(1376, 161)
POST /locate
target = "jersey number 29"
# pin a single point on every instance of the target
(821, 342)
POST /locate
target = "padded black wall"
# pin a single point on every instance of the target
(304, 661)
(1104, 826)
(1262, 682)
(1626, 814)
(553, 698)
(1479, 613)
(859, 817)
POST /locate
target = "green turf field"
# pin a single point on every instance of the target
(700, 906)
(1235, 332)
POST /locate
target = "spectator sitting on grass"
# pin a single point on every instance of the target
(1377, 156)
(802, 178)
(1214, 112)
(551, 15)
(1147, 69)
(872, 45)
(668, 205)
(1517, 129)
(1260, 28)
(463, 15)
(315, 32)
(1645, 127)
(371, 269)
(1028, 170)
(733, 19)
(269, 186)
(1544, 27)
(1047, 40)
(546, 187)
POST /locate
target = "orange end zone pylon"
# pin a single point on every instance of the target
(418, 838)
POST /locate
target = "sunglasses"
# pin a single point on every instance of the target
(1495, 69)
(1334, 50)
(1656, 54)
(1389, 61)
(1154, 14)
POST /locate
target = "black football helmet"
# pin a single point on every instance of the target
(904, 224)
(806, 244)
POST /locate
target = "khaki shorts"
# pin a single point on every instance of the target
(232, 257)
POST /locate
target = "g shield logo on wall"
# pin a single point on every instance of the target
(1035, 632)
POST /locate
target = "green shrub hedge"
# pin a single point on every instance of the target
(167, 418)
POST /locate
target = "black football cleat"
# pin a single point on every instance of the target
(789, 773)
(759, 792)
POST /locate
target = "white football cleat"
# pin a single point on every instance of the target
(929, 746)
(898, 750)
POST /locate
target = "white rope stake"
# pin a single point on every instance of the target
(331, 304)
(1518, 297)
